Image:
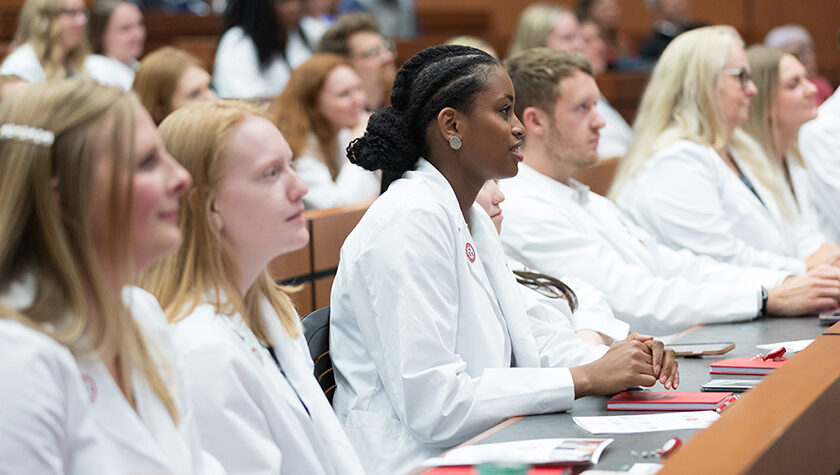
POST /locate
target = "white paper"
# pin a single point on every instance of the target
(790, 346)
(645, 468)
(535, 451)
(647, 422)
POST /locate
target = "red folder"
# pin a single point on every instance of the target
(755, 366)
(653, 401)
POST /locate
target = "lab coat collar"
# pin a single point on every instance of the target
(441, 189)
(546, 186)
(129, 428)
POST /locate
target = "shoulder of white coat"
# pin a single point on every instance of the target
(25, 346)
(144, 307)
(683, 155)
(203, 328)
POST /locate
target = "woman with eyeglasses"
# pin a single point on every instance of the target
(691, 176)
(320, 111)
(50, 40)
(264, 41)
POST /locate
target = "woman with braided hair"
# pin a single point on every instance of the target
(430, 341)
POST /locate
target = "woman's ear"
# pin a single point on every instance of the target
(447, 124)
(216, 219)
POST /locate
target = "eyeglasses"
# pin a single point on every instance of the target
(74, 12)
(744, 76)
(376, 51)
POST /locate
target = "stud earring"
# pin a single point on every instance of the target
(455, 142)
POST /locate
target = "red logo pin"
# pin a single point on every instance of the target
(470, 252)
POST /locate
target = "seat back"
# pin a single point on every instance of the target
(316, 330)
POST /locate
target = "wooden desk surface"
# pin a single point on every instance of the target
(694, 372)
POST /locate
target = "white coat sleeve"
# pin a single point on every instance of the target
(47, 427)
(236, 68)
(649, 303)
(819, 141)
(558, 344)
(593, 312)
(352, 185)
(225, 394)
(701, 268)
(405, 299)
(681, 206)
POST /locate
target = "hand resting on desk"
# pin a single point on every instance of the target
(638, 360)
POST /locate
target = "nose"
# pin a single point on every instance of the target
(598, 123)
(498, 197)
(297, 188)
(180, 179)
(810, 87)
(517, 129)
(751, 88)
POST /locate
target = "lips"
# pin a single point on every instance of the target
(298, 215)
(516, 151)
(171, 215)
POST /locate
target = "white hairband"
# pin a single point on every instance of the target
(26, 133)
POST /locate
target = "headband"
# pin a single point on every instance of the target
(25, 133)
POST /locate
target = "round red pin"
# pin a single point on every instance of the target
(470, 252)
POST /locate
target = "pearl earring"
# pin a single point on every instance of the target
(455, 142)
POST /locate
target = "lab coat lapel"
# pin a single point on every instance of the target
(500, 279)
(116, 417)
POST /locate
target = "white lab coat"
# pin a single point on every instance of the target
(24, 62)
(110, 71)
(352, 185)
(592, 313)
(819, 141)
(248, 413)
(430, 347)
(569, 231)
(69, 416)
(616, 133)
(236, 69)
(687, 197)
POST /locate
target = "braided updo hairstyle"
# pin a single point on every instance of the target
(437, 77)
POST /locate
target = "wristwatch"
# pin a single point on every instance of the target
(764, 298)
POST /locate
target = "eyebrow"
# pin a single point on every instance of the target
(508, 97)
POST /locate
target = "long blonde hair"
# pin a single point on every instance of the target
(46, 219)
(681, 103)
(39, 26)
(534, 25)
(197, 135)
(764, 64)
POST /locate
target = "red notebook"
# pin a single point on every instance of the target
(755, 366)
(652, 401)
(467, 470)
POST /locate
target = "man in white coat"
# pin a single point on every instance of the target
(819, 141)
(556, 225)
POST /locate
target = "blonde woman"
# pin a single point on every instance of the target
(786, 100)
(50, 40)
(691, 177)
(258, 406)
(88, 197)
(546, 24)
(169, 78)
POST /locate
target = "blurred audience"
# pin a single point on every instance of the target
(796, 39)
(320, 111)
(546, 24)
(50, 40)
(117, 36)
(356, 36)
(264, 40)
(168, 79)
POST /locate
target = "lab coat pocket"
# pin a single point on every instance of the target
(383, 443)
